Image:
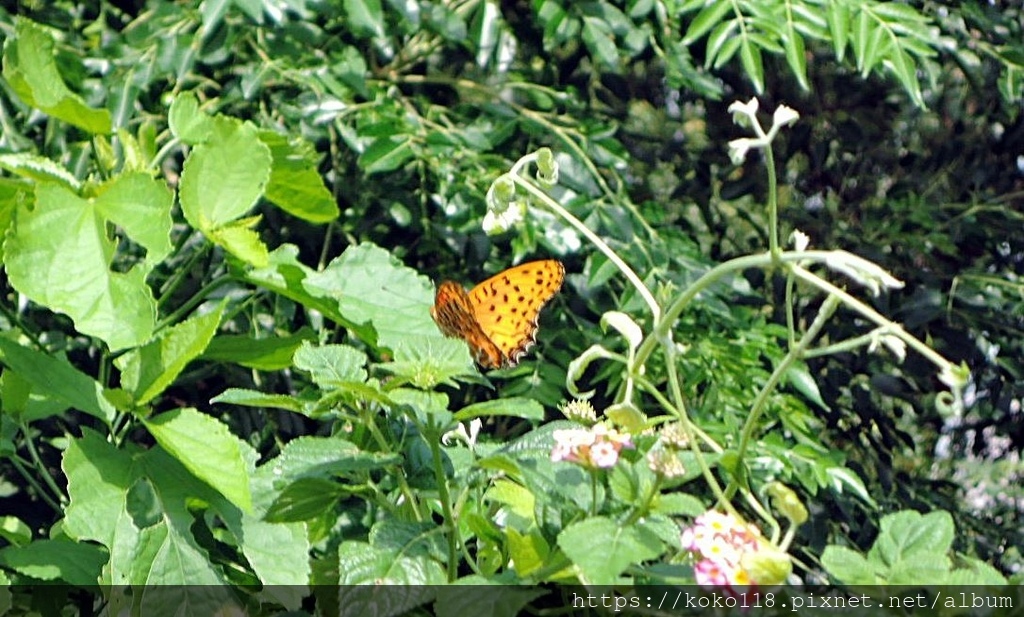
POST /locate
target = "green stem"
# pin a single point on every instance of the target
(41, 468)
(198, 298)
(850, 302)
(168, 288)
(446, 505)
(662, 329)
(773, 206)
(368, 420)
(642, 510)
(795, 353)
(596, 240)
(31, 480)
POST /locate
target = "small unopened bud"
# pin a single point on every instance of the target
(744, 114)
(784, 116)
(768, 565)
(674, 437)
(547, 168)
(665, 463)
(579, 411)
(787, 502)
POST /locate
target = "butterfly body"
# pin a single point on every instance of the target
(498, 317)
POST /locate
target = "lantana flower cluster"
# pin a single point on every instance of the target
(724, 546)
(594, 447)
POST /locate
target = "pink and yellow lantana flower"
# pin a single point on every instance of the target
(594, 447)
(730, 551)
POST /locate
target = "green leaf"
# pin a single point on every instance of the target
(902, 15)
(722, 44)
(187, 122)
(630, 484)
(602, 549)
(161, 550)
(430, 408)
(490, 35)
(252, 398)
(413, 538)
(286, 275)
(905, 69)
(222, 178)
(147, 371)
(678, 504)
(295, 184)
(1011, 84)
(35, 167)
(918, 569)
(31, 70)
(138, 506)
(600, 41)
(99, 479)
(382, 300)
(841, 478)
(519, 501)
(352, 70)
(213, 12)
(278, 554)
(664, 527)
(207, 449)
(323, 457)
(16, 531)
(750, 55)
(386, 154)
(627, 416)
(173, 571)
(707, 19)
(848, 566)
(426, 360)
(796, 56)
(331, 366)
(976, 572)
(639, 9)
(141, 206)
(869, 44)
(515, 407)
(838, 16)
(59, 255)
(242, 242)
(266, 354)
(911, 549)
(390, 600)
(360, 563)
(365, 17)
(99, 476)
(306, 499)
(906, 533)
(556, 24)
(446, 21)
(528, 551)
(799, 376)
(56, 560)
(55, 378)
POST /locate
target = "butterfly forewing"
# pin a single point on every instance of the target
(506, 306)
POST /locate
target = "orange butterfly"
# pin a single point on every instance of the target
(498, 318)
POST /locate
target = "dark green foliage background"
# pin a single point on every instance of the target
(932, 192)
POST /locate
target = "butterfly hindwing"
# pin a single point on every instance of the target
(453, 313)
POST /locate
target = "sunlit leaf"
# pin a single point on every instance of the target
(30, 68)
